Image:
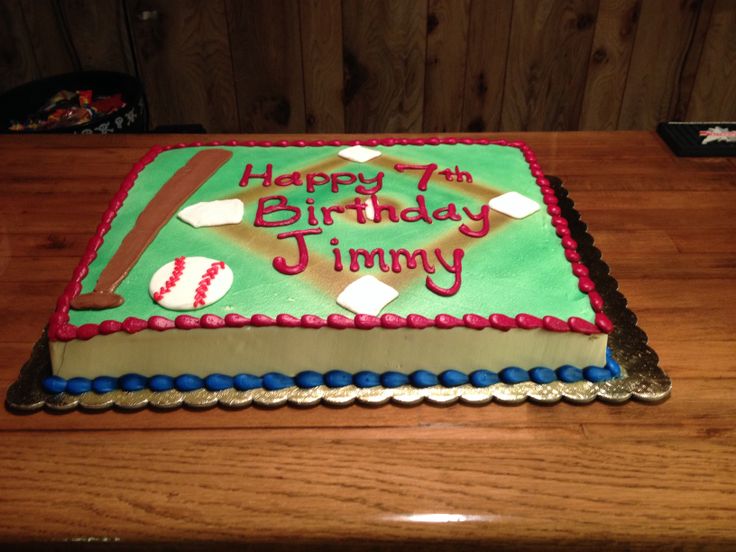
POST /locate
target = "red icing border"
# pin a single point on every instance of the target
(59, 328)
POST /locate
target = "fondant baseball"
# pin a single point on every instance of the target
(189, 283)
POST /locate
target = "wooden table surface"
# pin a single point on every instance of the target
(596, 476)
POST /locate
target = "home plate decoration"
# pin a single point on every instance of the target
(359, 154)
(188, 283)
(337, 271)
(366, 295)
(514, 205)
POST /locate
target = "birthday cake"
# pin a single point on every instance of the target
(377, 262)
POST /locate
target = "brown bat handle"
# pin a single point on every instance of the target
(156, 214)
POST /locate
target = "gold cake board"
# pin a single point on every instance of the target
(641, 379)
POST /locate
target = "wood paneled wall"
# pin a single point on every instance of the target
(392, 65)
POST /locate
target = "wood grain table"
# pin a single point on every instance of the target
(594, 476)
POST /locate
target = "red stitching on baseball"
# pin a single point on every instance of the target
(171, 282)
(204, 283)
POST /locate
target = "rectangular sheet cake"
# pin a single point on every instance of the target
(310, 262)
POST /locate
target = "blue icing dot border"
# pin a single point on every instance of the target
(309, 379)
(596, 374)
(422, 378)
(133, 382)
(161, 383)
(218, 382)
(392, 380)
(245, 382)
(77, 386)
(273, 381)
(453, 378)
(367, 379)
(338, 378)
(483, 378)
(569, 374)
(542, 375)
(513, 375)
(54, 384)
(188, 382)
(613, 366)
(105, 384)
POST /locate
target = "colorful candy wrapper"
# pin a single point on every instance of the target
(67, 109)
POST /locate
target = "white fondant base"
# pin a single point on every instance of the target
(258, 350)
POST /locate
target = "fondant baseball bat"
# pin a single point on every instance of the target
(154, 216)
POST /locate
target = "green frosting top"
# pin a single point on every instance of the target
(519, 266)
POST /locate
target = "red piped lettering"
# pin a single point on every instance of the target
(327, 213)
(483, 216)
(311, 218)
(359, 207)
(280, 264)
(455, 268)
(378, 209)
(337, 254)
(369, 259)
(292, 179)
(248, 174)
(426, 175)
(378, 180)
(411, 259)
(457, 175)
(282, 205)
(414, 214)
(341, 179)
(316, 179)
(446, 213)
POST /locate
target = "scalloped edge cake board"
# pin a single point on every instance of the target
(642, 379)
